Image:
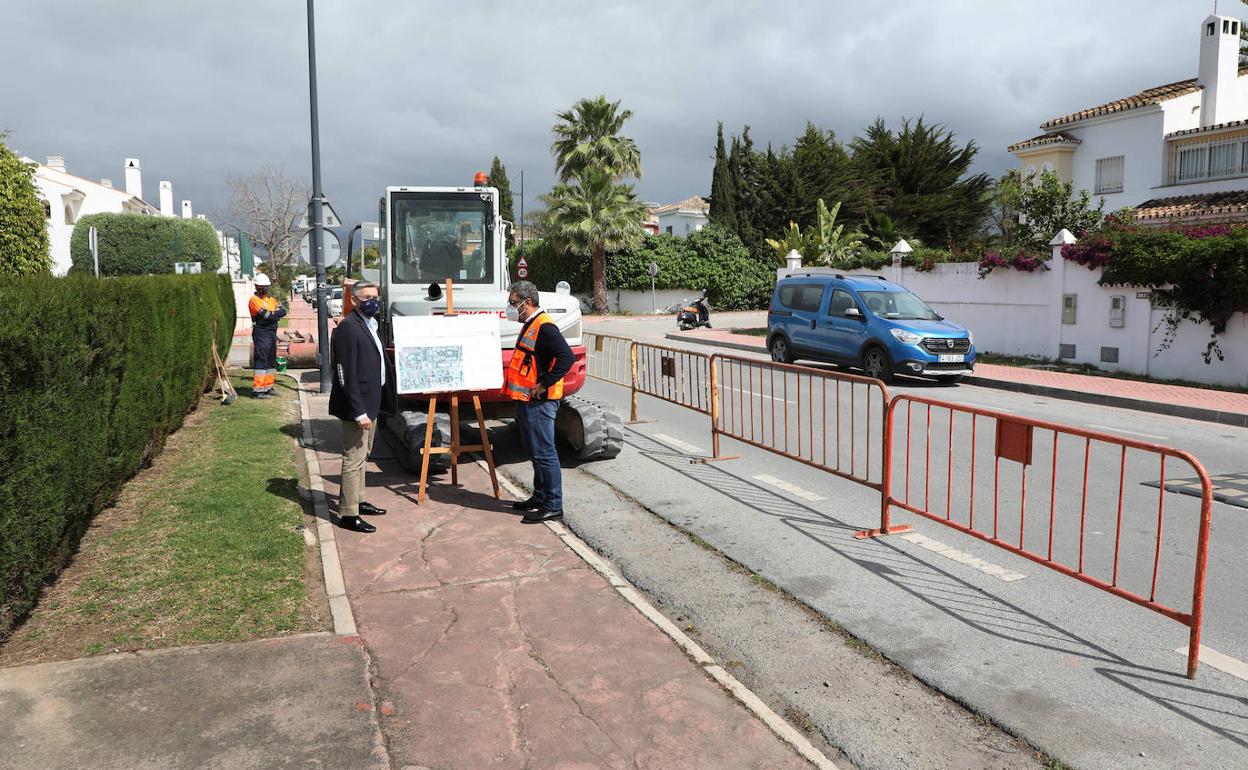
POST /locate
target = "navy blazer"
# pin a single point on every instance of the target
(355, 370)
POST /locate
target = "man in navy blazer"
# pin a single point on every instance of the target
(359, 372)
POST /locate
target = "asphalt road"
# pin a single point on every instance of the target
(1089, 676)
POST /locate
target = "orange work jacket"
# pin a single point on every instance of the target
(521, 373)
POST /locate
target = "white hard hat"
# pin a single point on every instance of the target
(262, 280)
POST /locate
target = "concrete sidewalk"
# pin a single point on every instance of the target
(495, 645)
(1220, 406)
(300, 701)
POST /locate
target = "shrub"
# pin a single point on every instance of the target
(94, 373)
(139, 244)
(23, 226)
(712, 258)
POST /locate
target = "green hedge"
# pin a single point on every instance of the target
(139, 244)
(712, 258)
(94, 373)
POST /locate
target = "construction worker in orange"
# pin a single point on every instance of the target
(266, 311)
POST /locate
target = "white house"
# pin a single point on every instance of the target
(1175, 152)
(684, 217)
(67, 198)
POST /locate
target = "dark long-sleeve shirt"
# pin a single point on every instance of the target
(552, 347)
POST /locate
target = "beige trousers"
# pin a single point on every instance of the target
(357, 442)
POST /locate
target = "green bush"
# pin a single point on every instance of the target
(23, 226)
(713, 258)
(94, 373)
(139, 244)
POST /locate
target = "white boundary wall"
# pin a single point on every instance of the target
(1017, 313)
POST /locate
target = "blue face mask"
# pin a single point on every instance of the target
(370, 307)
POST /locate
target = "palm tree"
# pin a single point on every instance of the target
(588, 136)
(591, 215)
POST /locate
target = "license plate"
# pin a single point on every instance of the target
(952, 358)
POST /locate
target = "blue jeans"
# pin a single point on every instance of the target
(536, 420)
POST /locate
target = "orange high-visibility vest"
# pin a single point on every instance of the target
(257, 305)
(521, 373)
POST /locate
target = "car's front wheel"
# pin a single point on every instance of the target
(876, 365)
(780, 350)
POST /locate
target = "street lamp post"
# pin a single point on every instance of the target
(315, 216)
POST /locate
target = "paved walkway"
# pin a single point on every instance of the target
(296, 702)
(495, 645)
(1220, 406)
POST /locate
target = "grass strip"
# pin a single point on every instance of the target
(202, 547)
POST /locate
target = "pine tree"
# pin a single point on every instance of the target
(723, 194)
(498, 179)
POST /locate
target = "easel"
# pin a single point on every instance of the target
(456, 448)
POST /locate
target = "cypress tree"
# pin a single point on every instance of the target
(723, 193)
(498, 178)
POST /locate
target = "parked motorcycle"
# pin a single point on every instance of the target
(694, 314)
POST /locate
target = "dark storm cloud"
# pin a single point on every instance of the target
(426, 92)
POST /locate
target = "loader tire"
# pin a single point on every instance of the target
(589, 429)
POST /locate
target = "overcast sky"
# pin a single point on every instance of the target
(427, 91)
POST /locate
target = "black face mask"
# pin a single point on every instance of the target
(370, 307)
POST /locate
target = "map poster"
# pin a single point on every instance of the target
(440, 354)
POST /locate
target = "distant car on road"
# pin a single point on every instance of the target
(334, 304)
(865, 322)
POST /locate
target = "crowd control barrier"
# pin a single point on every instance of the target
(1069, 521)
(828, 420)
(681, 377)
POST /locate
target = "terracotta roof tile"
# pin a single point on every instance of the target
(696, 203)
(1220, 206)
(1142, 99)
(1057, 137)
(1208, 129)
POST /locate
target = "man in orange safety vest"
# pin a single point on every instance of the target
(534, 380)
(265, 311)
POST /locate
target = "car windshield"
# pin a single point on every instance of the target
(442, 235)
(898, 305)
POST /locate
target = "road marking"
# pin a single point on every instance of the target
(974, 562)
(752, 394)
(1128, 432)
(677, 444)
(1224, 663)
(792, 489)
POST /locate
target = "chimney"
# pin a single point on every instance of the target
(166, 198)
(186, 209)
(56, 163)
(1224, 98)
(134, 178)
(107, 183)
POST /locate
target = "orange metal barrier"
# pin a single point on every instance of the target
(1096, 501)
(613, 359)
(681, 377)
(828, 420)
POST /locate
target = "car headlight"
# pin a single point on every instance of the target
(970, 337)
(905, 337)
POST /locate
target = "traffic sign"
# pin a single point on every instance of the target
(522, 268)
(327, 212)
(333, 248)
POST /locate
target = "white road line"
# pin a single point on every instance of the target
(792, 489)
(677, 444)
(1224, 663)
(974, 562)
(752, 394)
(1108, 429)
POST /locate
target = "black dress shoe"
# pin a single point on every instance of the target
(535, 517)
(355, 524)
(368, 509)
(525, 505)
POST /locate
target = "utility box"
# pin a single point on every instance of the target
(1070, 304)
(1118, 311)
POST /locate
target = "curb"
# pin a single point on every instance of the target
(727, 681)
(1235, 419)
(331, 566)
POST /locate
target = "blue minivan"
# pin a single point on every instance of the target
(865, 322)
